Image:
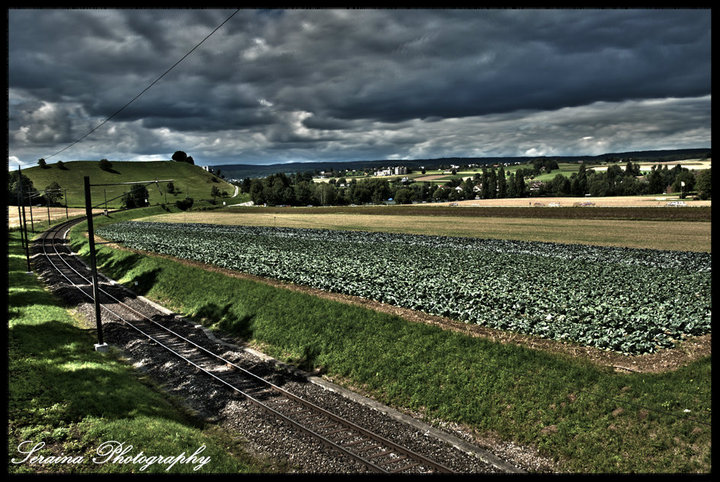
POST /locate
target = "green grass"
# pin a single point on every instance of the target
(564, 168)
(65, 395)
(189, 180)
(587, 418)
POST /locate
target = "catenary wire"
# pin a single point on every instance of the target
(146, 88)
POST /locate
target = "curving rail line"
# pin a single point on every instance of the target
(372, 450)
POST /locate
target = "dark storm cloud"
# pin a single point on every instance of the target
(340, 83)
(500, 62)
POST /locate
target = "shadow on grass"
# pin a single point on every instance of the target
(310, 353)
(227, 320)
(111, 264)
(117, 267)
(142, 283)
(32, 297)
(55, 361)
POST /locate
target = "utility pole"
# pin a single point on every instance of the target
(32, 223)
(23, 221)
(22, 234)
(101, 345)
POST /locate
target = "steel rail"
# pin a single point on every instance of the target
(398, 449)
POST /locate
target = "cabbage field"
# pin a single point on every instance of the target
(627, 300)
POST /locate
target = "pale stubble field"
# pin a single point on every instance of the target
(676, 235)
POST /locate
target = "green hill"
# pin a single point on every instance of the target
(189, 180)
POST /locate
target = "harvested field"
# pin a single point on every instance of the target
(659, 200)
(40, 214)
(676, 235)
(431, 177)
(702, 213)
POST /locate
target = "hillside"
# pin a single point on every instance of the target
(189, 180)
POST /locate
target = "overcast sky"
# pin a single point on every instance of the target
(320, 85)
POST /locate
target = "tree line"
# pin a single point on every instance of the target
(299, 189)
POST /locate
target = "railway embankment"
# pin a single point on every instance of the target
(564, 407)
(67, 403)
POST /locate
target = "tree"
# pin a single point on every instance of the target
(61, 166)
(519, 184)
(598, 186)
(632, 169)
(304, 193)
(667, 177)
(179, 156)
(42, 163)
(468, 188)
(582, 182)
(184, 204)
(215, 192)
(53, 193)
(656, 184)
(256, 191)
(560, 185)
(441, 194)
(14, 183)
(492, 183)
(137, 197)
(245, 186)
(326, 194)
(360, 193)
(501, 183)
(684, 182)
(613, 176)
(171, 188)
(485, 180)
(703, 184)
(105, 165)
(511, 186)
(404, 196)
(190, 160)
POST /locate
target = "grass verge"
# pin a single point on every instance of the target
(67, 399)
(587, 418)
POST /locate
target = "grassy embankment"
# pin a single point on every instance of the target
(189, 181)
(588, 418)
(72, 399)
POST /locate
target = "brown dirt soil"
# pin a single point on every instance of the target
(686, 351)
(656, 200)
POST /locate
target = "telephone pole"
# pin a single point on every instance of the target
(101, 345)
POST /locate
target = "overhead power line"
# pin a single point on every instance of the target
(146, 88)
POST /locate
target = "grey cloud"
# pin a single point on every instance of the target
(347, 71)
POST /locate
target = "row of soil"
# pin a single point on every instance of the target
(702, 214)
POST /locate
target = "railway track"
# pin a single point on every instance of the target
(341, 435)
